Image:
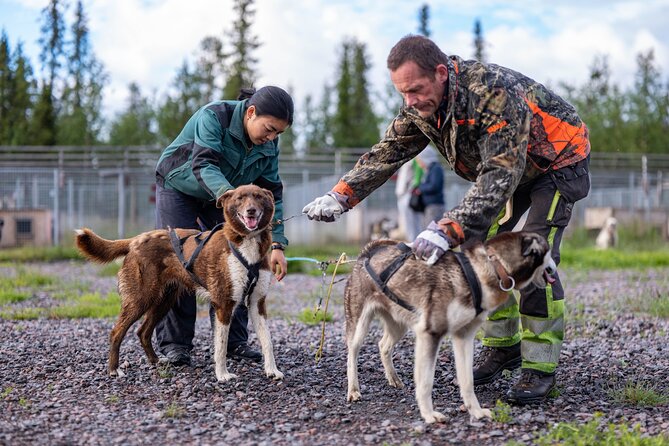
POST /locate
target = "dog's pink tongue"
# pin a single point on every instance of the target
(549, 277)
(251, 222)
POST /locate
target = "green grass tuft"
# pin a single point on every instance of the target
(593, 433)
(501, 413)
(39, 254)
(88, 306)
(639, 394)
(310, 317)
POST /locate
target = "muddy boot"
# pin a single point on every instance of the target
(493, 360)
(532, 387)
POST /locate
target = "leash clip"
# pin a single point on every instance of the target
(510, 287)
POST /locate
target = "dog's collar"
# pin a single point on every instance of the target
(177, 245)
(502, 275)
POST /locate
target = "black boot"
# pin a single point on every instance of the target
(493, 360)
(532, 387)
(243, 351)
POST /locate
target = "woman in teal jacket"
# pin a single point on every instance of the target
(225, 144)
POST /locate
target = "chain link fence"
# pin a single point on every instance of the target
(111, 190)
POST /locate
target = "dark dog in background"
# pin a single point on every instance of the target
(437, 300)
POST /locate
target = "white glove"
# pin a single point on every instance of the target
(327, 208)
(431, 244)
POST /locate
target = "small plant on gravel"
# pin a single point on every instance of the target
(593, 433)
(501, 413)
(174, 411)
(23, 402)
(5, 393)
(112, 399)
(639, 394)
(310, 317)
(164, 371)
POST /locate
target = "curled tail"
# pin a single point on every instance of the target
(95, 248)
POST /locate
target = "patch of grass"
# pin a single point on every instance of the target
(15, 289)
(23, 402)
(39, 254)
(112, 399)
(5, 393)
(165, 371)
(593, 433)
(502, 412)
(174, 411)
(23, 314)
(639, 394)
(591, 258)
(310, 317)
(90, 305)
(653, 303)
(10, 295)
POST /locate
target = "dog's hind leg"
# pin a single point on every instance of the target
(354, 340)
(151, 319)
(427, 346)
(392, 333)
(221, 331)
(463, 350)
(258, 314)
(130, 313)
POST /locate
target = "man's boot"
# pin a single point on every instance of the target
(493, 360)
(532, 387)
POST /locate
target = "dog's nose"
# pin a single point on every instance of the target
(251, 212)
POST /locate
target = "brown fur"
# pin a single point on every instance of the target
(443, 302)
(152, 275)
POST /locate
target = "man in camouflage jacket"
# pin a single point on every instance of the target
(523, 147)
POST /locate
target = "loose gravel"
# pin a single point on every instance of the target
(54, 388)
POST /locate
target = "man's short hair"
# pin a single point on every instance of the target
(418, 49)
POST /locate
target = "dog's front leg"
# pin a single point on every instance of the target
(463, 350)
(221, 330)
(258, 316)
(426, 358)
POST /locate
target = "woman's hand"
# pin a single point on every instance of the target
(278, 264)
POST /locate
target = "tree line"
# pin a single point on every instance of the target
(61, 103)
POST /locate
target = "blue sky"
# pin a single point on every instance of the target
(145, 41)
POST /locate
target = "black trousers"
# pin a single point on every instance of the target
(177, 329)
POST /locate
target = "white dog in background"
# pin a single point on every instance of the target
(608, 236)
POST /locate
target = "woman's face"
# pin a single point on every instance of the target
(262, 129)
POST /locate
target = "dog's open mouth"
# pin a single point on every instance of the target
(251, 221)
(548, 275)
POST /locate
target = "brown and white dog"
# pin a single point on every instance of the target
(434, 301)
(152, 275)
(608, 235)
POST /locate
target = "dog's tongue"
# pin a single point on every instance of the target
(549, 277)
(251, 222)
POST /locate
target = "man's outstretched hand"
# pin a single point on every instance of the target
(327, 208)
(432, 243)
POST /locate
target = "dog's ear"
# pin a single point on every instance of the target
(269, 195)
(220, 203)
(531, 246)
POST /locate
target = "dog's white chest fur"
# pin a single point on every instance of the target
(239, 279)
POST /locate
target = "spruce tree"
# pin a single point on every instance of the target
(135, 125)
(5, 89)
(241, 71)
(479, 43)
(178, 107)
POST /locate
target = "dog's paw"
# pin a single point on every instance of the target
(480, 413)
(274, 374)
(353, 395)
(118, 373)
(435, 417)
(225, 376)
(396, 382)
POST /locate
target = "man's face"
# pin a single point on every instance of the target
(418, 90)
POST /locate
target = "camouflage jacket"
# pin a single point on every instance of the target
(495, 127)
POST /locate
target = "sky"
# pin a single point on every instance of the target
(146, 41)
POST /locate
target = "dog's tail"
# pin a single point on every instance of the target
(95, 248)
(373, 246)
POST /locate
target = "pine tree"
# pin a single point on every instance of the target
(241, 71)
(23, 86)
(318, 123)
(81, 119)
(479, 43)
(178, 108)
(648, 106)
(211, 68)
(354, 121)
(43, 122)
(135, 125)
(423, 20)
(5, 89)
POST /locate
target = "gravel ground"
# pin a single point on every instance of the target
(55, 389)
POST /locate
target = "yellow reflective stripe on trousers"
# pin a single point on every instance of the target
(501, 329)
(495, 226)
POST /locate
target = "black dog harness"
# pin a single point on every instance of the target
(381, 279)
(253, 271)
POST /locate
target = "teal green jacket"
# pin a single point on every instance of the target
(210, 157)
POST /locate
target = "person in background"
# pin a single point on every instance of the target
(409, 221)
(430, 186)
(225, 144)
(517, 142)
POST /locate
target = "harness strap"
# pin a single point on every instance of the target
(472, 280)
(381, 280)
(177, 245)
(252, 273)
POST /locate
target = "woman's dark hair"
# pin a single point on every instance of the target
(419, 49)
(269, 100)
